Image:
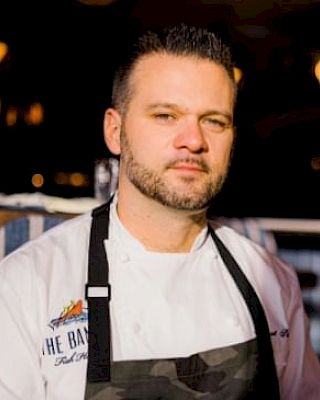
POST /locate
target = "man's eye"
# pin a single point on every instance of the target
(217, 124)
(164, 117)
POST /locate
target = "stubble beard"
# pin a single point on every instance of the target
(153, 185)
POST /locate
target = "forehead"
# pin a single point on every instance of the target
(162, 63)
(167, 75)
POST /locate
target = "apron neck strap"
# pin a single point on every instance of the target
(267, 380)
(98, 295)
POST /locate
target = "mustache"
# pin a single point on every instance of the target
(189, 160)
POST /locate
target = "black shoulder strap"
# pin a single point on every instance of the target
(98, 295)
(267, 380)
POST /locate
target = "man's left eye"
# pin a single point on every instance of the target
(217, 124)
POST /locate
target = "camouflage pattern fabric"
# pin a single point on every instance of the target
(226, 373)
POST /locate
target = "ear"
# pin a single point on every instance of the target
(112, 129)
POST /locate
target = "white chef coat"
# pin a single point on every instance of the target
(163, 305)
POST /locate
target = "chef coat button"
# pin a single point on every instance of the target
(233, 321)
(136, 327)
(214, 255)
(124, 258)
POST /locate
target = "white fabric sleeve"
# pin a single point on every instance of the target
(301, 377)
(20, 335)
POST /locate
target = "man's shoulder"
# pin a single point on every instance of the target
(232, 236)
(249, 228)
(253, 256)
(64, 238)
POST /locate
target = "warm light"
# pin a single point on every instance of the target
(317, 70)
(315, 163)
(237, 73)
(37, 180)
(3, 50)
(71, 178)
(61, 178)
(11, 116)
(34, 116)
(78, 179)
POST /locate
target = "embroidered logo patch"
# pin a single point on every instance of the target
(73, 312)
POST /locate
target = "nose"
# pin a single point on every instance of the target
(191, 136)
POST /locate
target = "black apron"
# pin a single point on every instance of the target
(243, 371)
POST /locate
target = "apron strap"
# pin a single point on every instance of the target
(98, 295)
(267, 380)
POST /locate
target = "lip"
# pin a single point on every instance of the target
(187, 167)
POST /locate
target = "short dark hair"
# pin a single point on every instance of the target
(180, 40)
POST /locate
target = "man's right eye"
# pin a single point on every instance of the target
(164, 117)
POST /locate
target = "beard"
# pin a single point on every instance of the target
(196, 193)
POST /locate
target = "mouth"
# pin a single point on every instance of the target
(189, 166)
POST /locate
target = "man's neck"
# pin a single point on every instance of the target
(157, 227)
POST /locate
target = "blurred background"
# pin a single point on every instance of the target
(56, 64)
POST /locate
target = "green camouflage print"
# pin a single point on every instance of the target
(222, 374)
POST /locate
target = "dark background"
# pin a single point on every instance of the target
(63, 53)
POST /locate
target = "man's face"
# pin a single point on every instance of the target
(176, 134)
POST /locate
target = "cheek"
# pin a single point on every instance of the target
(228, 156)
(144, 151)
(146, 142)
(222, 149)
(220, 159)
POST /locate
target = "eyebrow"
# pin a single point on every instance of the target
(176, 107)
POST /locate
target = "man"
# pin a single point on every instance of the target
(173, 307)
